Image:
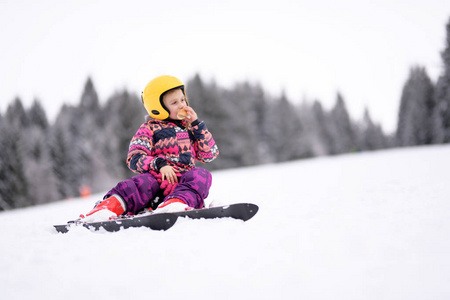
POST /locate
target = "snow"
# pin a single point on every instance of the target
(358, 226)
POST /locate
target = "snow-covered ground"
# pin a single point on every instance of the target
(360, 226)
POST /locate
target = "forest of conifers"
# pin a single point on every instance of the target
(87, 143)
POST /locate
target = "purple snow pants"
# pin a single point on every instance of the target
(141, 190)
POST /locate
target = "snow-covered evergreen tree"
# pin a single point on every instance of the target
(63, 154)
(16, 114)
(261, 110)
(87, 125)
(285, 131)
(416, 109)
(14, 186)
(39, 171)
(242, 125)
(89, 103)
(37, 115)
(371, 135)
(342, 131)
(208, 102)
(123, 114)
(5, 202)
(317, 128)
(441, 115)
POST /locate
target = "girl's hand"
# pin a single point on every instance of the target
(168, 173)
(191, 114)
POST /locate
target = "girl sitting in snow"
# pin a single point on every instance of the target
(163, 152)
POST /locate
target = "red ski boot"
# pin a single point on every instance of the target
(109, 208)
(172, 205)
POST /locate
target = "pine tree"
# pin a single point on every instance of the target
(14, 186)
(64, 153)
(207, 101)
(285, 131)
(124, 114)
(342, 130)
(37, 115)
(416, 109)
(441, 114)
(242, 122)
(16, 114)
(87, 126)
(371, 134)
(318, 128)
(90, 104)
(261, 110)
(39, 171)
(6, 199)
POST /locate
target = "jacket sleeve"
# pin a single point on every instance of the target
(205, 147)
(140, 158)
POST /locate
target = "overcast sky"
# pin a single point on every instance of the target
(309, 49)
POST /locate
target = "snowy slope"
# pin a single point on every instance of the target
(360, 226)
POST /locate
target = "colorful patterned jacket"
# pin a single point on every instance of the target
(158, 143)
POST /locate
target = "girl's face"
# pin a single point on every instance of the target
(174, 101)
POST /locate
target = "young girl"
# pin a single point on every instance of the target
(163, 152)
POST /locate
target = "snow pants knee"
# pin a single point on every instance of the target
(140, 191)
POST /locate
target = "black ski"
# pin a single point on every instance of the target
(154, 221)
(241, 211)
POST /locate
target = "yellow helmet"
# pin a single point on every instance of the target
(152, 96)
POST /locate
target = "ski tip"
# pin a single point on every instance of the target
(251, 211)
(61, 228)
